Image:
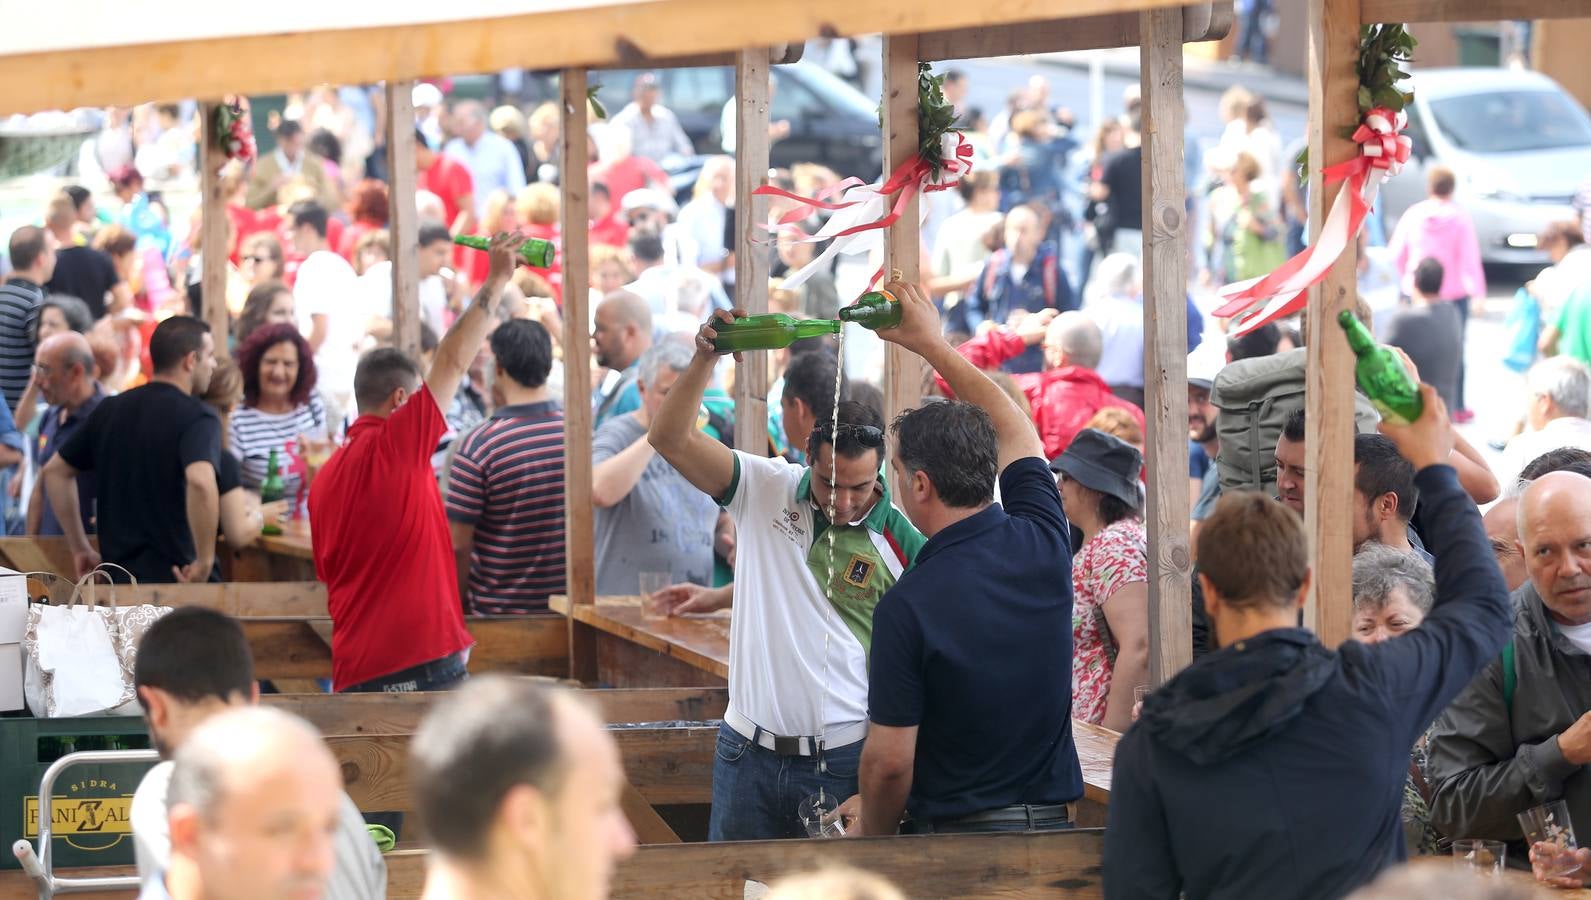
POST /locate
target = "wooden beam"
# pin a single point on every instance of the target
(293, 55)
(290, 647)
(1329, 387)
(751, 253)
(778, 55)
(1374, 11)
(903, 369)
(972, 866)
(403, 218)
(579, 513)
(1201, 22)
(213, 233)
(298, 599)
(402, 713)
(1165, 284)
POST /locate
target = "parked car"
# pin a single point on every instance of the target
(1518, 143)
(831, 123)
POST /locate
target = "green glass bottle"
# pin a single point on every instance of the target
(874, 310)
(535, 252)
(272, 489)
(1381, 374)
(773, 331)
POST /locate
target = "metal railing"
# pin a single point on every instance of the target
(37, 863)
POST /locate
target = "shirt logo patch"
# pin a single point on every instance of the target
(859, 571)
(786, 524)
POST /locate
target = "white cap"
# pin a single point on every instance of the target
(426, 94)
(648, 198)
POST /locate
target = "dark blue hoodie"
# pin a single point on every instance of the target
(1274, 767)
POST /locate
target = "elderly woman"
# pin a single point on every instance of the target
(1392, 593)
(1110, 580)
(704, 217)
(280, 407)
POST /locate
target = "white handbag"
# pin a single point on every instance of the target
(79, 657)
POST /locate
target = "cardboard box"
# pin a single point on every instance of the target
(13, 624)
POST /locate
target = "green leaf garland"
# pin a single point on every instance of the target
(1384, 51)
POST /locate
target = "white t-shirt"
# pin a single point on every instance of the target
(359, 874)
(1523, 448)
(784, 632)
(1121, 326)
(1578, 635)
(327, 286)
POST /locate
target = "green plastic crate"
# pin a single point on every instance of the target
(92, 804)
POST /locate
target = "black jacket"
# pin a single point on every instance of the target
(1275, 767)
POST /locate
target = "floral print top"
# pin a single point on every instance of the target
(1112, 559)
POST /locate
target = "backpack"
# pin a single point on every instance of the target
(1253, 398)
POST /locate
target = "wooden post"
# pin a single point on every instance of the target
(580, 538)
(403, 218)
(751, 257)
(1329, 388)
(1165, 284)
(213, 232)
(903, 370)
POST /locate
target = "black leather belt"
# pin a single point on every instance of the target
(1029, 813)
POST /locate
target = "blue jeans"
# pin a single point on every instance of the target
(443, 674)
(756, 791)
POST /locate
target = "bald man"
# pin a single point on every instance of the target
(519, 786)
(1520, 734)
(64, 371)
(1068, 392)
(1502, 529)
(622, 331)
(253, 805)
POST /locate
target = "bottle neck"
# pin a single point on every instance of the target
(1359, 337)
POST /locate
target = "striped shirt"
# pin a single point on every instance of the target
(507, 481)
(254, 434)
(19, 327)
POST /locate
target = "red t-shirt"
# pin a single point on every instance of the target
(447, 178)
(611, 230)
(629, 174)
(383, 548)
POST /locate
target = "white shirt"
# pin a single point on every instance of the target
(704, 219)
(1578, 635)
(958, 247)
(359, 873)
(1555, 283)
(786, 642)
(680, 297)
(1566, 431)
(657, 138)
(327, 286)
(375, 291)
(1121, 324)
(494, 165)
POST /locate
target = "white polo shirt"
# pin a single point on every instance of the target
(787, 638)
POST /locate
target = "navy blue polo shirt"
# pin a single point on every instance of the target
(973, 645)
(53, 431)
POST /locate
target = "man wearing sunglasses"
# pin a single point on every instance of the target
(816, 549)
(971, 659)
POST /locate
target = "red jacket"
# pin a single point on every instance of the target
(1063, 399)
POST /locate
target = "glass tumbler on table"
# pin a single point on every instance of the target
(652, 584)
(1548, 829)
(1481, 857)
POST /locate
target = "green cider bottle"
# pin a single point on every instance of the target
(874, 310)
(773, 331)
(1381, 374)
(272, 489)
(535, 252)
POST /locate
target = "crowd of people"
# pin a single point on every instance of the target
(838, 546)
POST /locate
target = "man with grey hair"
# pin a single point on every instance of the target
(493, 162)
(649, 518)
(1069, 391)
(64, 372)
(519, 786)
(1520, 734)
(254, 804)
(1558, 401)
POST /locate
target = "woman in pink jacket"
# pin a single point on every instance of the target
(1438, 228)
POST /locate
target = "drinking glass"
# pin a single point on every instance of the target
(651, 583)
(820, 814)
(1549, 825)
(1481, 857)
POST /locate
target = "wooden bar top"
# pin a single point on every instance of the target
(699, 640)
(703, 641)
(293, 541)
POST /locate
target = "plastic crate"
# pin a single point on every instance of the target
(92, 804)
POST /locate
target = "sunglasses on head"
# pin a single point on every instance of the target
(865, 435)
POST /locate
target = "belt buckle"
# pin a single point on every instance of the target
(786, 746)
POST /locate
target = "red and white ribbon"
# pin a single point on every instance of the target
(1383, 149)
(862, 211)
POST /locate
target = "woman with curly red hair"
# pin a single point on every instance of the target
(367, 212)
(280, 404)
